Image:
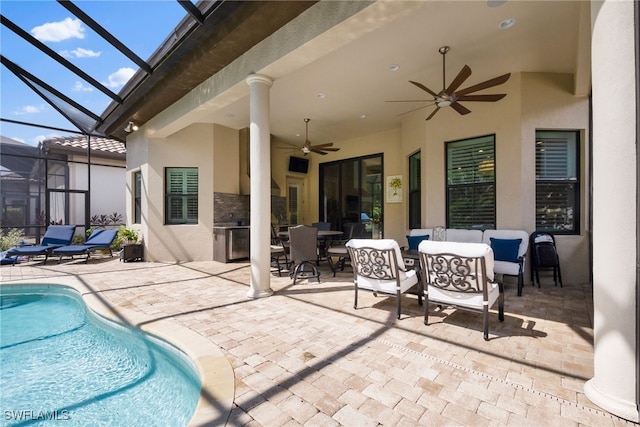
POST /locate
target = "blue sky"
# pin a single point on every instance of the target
(142, 25)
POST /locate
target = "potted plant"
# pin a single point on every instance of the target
(131, 247)
(127, 236)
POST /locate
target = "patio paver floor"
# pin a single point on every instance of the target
(304, 356)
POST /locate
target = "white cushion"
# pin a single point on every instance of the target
(507, 267)
(464, 236)
(407, 279)
(472, 300)
(461, 249)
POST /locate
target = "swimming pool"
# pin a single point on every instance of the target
(60, 362)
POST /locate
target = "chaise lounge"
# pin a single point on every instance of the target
(56, 236)
(99, 239)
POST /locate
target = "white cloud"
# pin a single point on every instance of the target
(79, 53)
(120, 77)
(29, 109)
(79, 87)
(59, 31)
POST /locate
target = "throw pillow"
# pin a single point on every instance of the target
(414, 241)
(505, 249)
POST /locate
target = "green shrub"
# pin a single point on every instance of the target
(10, 238)
(126, 235)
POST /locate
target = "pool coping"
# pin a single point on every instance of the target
(215, 371)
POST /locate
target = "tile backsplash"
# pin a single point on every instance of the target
(228, 209)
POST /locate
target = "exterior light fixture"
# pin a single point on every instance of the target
(131, 127)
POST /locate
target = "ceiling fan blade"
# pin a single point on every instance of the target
(321, 146)
(318, 151)
(433, 113)
(482, 98)
(412, 110)
(484, 85)
(460, 109)
(411, 100)
(460, 78)
(423, 87)
(326, 149)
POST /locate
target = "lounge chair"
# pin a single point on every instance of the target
(56, 236)
(99, 239)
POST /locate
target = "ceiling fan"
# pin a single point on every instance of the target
(319, 149)
(449, 97)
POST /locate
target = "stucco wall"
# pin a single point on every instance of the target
(193, 146)
(535, 101)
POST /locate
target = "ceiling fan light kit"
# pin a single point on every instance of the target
(450, 96)
(318, 149)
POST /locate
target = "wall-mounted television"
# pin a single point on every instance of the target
(298, 164)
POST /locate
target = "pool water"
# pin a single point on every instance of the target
(60, 364)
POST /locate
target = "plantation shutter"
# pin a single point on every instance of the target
(471, 183)
(182, 195)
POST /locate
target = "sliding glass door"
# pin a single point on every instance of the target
(351, 191)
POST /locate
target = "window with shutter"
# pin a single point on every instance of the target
(557, 183)
(181, 206)
(471, 189)
(137, 198)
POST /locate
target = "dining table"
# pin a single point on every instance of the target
(322, 234)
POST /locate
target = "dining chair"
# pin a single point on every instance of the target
(460, 275)
(303, 250)
(378, 267)
(337, 249)
(279, 251)
(322, 242)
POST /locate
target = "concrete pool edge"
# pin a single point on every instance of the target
(215, 371)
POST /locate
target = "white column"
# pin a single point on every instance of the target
(615, 228)
(260, 158)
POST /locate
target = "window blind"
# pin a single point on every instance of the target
(471, 192)
(557, 186)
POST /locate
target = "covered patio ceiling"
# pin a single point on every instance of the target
(342, 77)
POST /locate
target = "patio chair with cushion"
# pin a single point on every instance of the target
(303, 246)
(99, 239)
(460, 275)
(55, 237)
(510, 252)
(378, 266)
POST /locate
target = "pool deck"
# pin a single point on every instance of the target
(304, 356)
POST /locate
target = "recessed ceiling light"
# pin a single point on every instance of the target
(320, 95)
(394, 67)
(507, 23)
(495, 3)
(363, 116)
